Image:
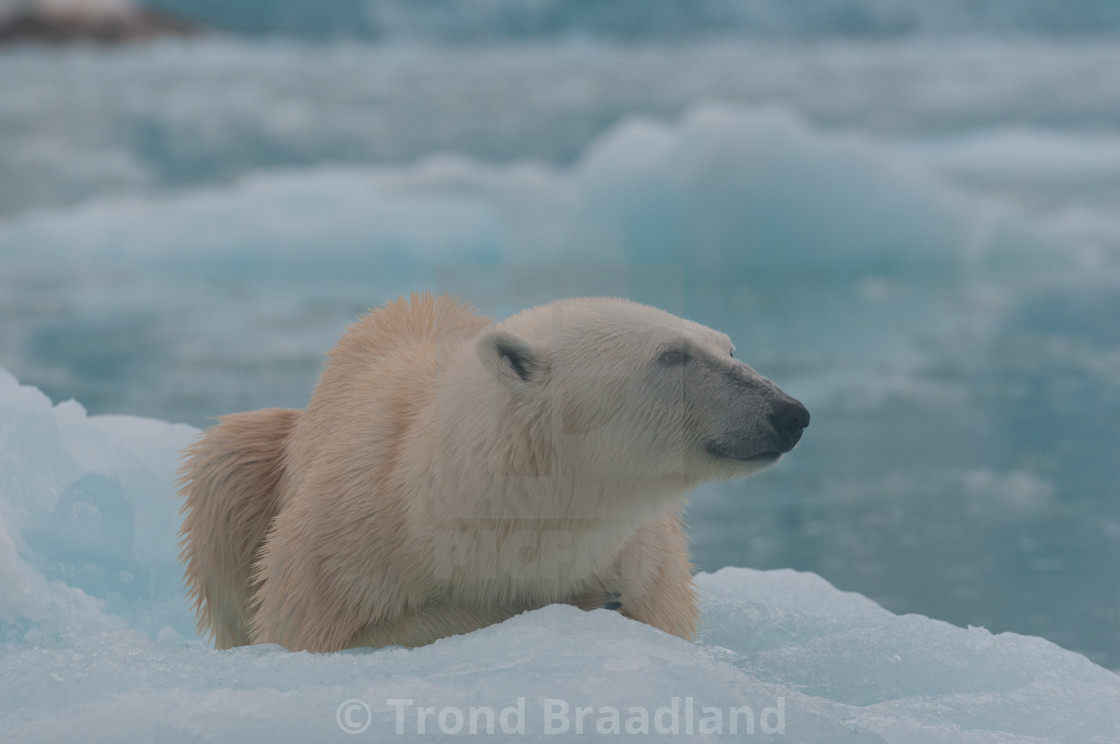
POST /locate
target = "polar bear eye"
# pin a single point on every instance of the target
(673, 358)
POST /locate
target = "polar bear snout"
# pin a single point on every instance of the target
(761, 424)
(788, 417)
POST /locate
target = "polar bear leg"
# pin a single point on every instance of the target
(230, 479)
(655, 577)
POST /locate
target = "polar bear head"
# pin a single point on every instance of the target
(623, 392)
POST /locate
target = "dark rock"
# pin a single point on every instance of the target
(38, 24)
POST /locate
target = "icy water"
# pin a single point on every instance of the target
(920, 238)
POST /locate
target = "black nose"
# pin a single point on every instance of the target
(789, 418)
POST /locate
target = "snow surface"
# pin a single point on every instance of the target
(96, 642)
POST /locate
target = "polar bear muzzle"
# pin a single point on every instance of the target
(761, 421)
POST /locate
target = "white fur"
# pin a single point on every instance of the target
(448, 473)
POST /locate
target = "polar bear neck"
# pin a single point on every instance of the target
(498, 479)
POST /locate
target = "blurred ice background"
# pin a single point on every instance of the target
(905, 213)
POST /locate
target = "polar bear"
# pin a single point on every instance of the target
(449, 472)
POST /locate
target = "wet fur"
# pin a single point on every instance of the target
(327, 528)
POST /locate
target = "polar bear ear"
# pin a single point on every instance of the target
(508, 357)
